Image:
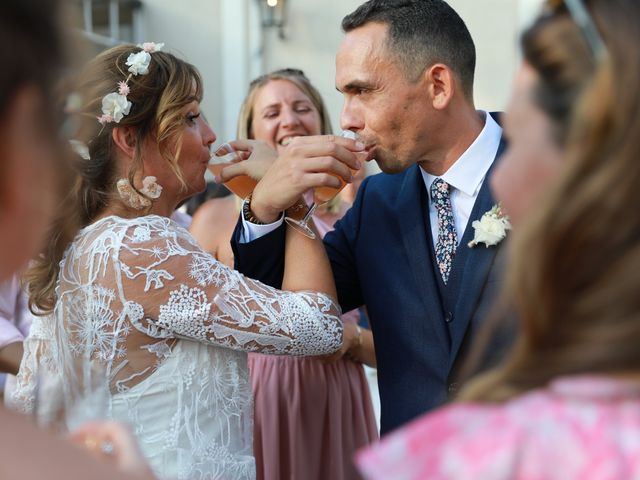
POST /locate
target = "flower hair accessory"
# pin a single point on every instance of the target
(491, 228)
(115, 105)
(80, 148)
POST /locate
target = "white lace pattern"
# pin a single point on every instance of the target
(172, 326)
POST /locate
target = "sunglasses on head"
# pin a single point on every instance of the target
(291, 72)
(582, 18)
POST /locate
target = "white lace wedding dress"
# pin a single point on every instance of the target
(172, 326)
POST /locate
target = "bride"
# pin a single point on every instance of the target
(134, 294)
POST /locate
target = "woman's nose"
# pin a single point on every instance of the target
(208, 135)
(289, 118)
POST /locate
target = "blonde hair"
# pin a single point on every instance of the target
(300, 80)
(574, 270)
(157, 100)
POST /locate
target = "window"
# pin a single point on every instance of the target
(109, 22)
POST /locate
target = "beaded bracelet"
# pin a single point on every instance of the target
(247, 213)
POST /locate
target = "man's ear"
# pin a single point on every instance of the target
(442, 85)
(125, 140)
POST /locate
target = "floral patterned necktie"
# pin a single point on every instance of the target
(447, 237)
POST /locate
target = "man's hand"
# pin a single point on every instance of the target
(306, 163)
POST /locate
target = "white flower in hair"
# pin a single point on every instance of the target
(73, 103)
(80, 148)
(115, 106)
(139, 63)
(151, 47)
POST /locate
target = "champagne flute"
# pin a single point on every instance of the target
(48, 402)
(88, 397)
(321, 195)
(63, 404)
(242, 185)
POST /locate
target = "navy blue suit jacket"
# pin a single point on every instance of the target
(381, 253)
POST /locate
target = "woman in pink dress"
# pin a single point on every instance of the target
(311, 414)
(566, 402)
(14, 325)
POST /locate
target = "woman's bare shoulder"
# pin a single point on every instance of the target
(214, 217)
(217, 209)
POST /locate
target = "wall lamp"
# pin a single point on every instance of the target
(273, 13)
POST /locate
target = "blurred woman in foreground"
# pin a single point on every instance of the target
(32, 171)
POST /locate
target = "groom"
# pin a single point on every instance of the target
(405, 68)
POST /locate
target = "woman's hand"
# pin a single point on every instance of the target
(10, 358)
(113, 442)
(350, 340)
(254, 159)
(357, 345)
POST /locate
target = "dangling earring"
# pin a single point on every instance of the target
(150, 188)
(130, 197)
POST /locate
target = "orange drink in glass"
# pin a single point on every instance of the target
(321, 195)
(241, 185)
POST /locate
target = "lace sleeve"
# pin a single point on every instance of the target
(171, 287)
(39, 355)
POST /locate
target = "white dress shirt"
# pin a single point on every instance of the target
(465, 178)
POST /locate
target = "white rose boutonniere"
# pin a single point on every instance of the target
(491, 228)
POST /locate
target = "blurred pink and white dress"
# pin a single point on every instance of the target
(580, 427)
(15, 320)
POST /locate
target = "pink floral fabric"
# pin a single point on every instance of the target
(582, 427)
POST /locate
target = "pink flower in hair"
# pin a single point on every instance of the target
(104, 119)
(123, 88)
(151, 47)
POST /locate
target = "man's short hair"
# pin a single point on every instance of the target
(421, 34)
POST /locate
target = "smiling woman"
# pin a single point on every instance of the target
(133, 295)
(280, 106)
(282, 112)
